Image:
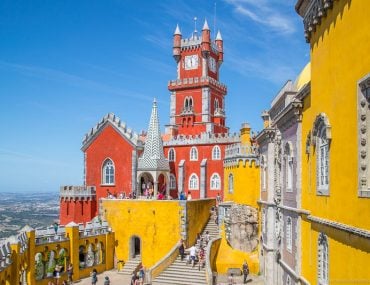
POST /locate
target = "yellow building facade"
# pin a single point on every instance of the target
(335, 126)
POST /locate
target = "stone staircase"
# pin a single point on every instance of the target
(181, 273)
(130, 266)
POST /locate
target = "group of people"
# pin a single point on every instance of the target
(138, 277)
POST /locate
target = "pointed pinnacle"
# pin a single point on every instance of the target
(177, 31)
(218, 37)
(205, 26)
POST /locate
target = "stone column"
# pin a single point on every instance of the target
(134, 173)
(155, 189)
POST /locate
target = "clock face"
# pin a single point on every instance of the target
(212, 64)
(191, 62)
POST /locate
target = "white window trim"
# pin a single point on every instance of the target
(193, 187)
(171, 150)
(323, 260)
(103, 175)
(217, 179)
(231, 183)
(195, 151)
(289, 167)
(216, 153)
(264, 173)
(173, 184)
(289, 234)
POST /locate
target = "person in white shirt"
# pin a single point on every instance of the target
(193, 253)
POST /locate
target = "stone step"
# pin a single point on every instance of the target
(180, 280)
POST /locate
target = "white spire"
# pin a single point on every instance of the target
(205, 26)
(177, 31)
(153, 157)
(218, 37)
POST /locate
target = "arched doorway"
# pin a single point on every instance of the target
(135, 247)
(146, 182)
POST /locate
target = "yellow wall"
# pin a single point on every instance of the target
(246, 183)
(156, 223)
(228, 257)
(339, 58)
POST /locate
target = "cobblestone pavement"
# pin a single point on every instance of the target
(120, 279)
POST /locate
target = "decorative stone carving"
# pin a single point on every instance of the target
(241, 226)
(90, 257)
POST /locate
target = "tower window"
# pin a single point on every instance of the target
(288, 157)
(216, 153)
(108, 172)
(215, 182)
(171, 155)
(172, 181)
(231, 183)
(193, 182)
(194, 154)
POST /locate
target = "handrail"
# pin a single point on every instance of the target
(162, 264)
(209, 272)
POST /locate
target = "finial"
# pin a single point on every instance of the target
(218, 37)
(205, 26)
(195, 26)
(177, 30)
(155, 101)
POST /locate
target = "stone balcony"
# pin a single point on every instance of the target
(77, 191)
(238, 150)
(195, 82)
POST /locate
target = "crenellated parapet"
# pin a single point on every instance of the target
(77, 192)
(196, 81)
(119, 125)
(236, 153)
(203, 138)
(5, 255)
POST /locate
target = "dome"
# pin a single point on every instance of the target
(304, 77)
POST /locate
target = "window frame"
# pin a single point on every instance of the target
(216, 153)
(110, 175)
(173, 184)
(215, 179)
(289, 234)
(193, 182)
(323, 260)
(230, 183)
(193, 154)
(289, 167)
(171, 154)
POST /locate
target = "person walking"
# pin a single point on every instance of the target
(94, 277)
(182, 249)
(245, 270)
(70, 273)
(106, 280)
(193, 252)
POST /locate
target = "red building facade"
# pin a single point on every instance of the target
(197, 134)
(194, 142)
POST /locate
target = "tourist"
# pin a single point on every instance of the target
(245, 270)
(207, 237)
(231, 279)
(106, 280)
(182, 249)
(189, 196)
(70, 273)
(182, 196)
(218, 198)
(201, 258)
(192, 254)
(94, 277)
(134, 279)
(141, 275)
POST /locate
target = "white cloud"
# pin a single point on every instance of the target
(265, 14)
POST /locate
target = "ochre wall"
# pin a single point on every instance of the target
(156, 223)
(246, 183)
(339, 59)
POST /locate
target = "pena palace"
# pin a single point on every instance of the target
(188, 159)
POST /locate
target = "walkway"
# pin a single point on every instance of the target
(120, 279)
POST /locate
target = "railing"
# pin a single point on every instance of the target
(161, 265)
(239, 150)
(212, 248)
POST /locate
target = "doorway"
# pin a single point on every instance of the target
(135, 247)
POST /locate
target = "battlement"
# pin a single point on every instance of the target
(238, 150)
(196, 81)
(203, 138)
(195, 42)
(77, 192)
(111, 118)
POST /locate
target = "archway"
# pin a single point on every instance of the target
(146, 182)
(135, 246)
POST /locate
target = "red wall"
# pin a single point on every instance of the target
(77, 210)
(109, 144)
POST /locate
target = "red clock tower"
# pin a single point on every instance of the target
(197, 134)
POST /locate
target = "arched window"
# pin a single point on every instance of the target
(216, 104)
(288, 157)
(171, 155)
(191, 103)
(172, 181)
(288, 234)
(323, 260)
(216, 153)
(231, 183)
(322, 135)
(193, 182)
(108, 172)
(194, 153)
(215, 182)
(186, 103)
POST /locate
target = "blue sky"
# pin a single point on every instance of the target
(65, 64)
